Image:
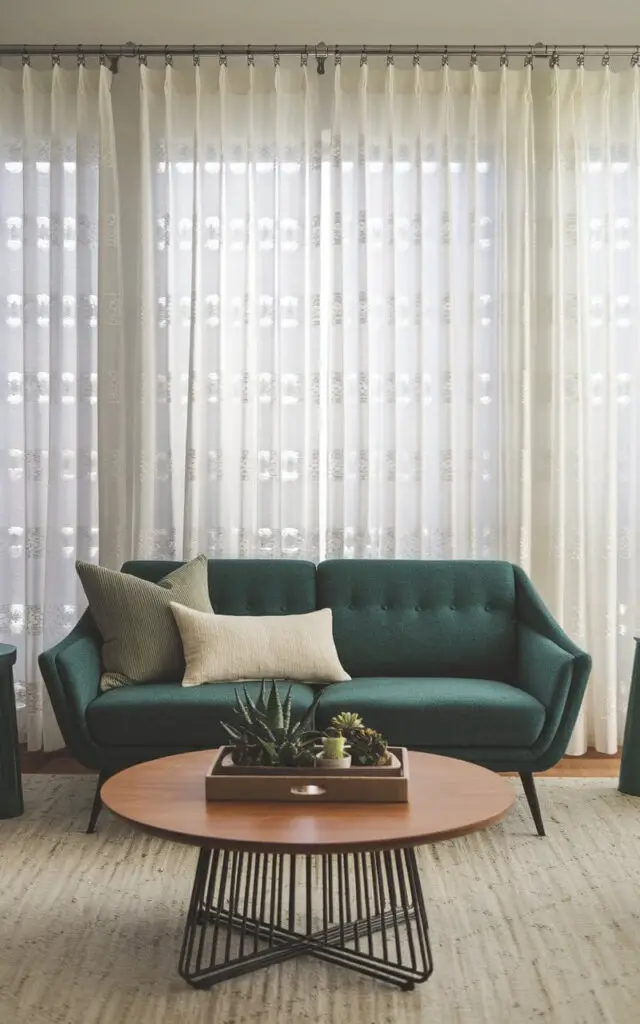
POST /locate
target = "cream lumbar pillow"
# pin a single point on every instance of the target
(140, 641)
(232, 647)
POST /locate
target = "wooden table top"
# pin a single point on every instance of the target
(447, 798)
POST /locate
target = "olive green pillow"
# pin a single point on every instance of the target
(140, 639)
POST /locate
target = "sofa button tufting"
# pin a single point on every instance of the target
(383, 607)
(452, 607)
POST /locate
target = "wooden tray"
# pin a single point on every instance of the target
(384, 784)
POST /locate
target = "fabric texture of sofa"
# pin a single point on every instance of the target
(454, 657)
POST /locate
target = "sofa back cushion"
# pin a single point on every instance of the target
(248, 586)
(422, 618)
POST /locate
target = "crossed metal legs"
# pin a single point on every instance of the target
(364, 911)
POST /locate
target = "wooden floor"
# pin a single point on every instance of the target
(590, 765)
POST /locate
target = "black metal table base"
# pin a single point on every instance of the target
(364, 911)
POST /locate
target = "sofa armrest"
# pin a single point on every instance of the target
(71, 671)
(544, 669)
(551, 668)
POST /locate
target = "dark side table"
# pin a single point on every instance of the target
(630, 762)
(11, 803)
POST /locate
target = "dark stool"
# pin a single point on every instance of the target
(11, 803)
(630, 762)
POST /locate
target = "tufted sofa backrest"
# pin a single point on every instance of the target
(248, 586)
(422, 618)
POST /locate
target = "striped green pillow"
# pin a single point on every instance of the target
(140, 639)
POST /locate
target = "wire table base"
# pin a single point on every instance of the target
(364, 911)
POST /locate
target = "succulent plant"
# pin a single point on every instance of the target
(368, 747)
(346, 721)
(265, 733)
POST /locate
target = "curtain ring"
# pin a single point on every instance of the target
(55, 56)
(304, 57)
(504, 58)
(102, 59)
(81, 59)
(337, 57)
(251, 59)
(528, 60)
(168, 58)
(606, 57)
(635, 57)
(364, 58)
(473, 62)
(26, 59)
(196, 58)
(390, 59)
(222, 57)
(445, 57)
(554, 59)
(580, 57)
(142, 57)
(321, 57)
(276, 57)
(416, 57)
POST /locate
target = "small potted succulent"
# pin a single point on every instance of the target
(366, 746)
(264, 732)
(334, 750)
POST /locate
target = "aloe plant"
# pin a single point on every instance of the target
(265, 733)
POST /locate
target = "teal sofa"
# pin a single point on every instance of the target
(455, 657)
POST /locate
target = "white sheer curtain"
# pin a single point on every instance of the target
(484, 361)
(58, 208)
(225, 437)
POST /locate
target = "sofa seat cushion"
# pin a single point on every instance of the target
(438, 712)
(168, 715)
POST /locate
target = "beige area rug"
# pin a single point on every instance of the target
(522, 929)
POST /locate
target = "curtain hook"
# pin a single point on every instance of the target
(321, 56)
(276, 57)
(26, 59)
(55, 56)
(196, 58)
(635, 57)
(474, 57)
(390, 59)
(504, 58)
(364, 57)
(445, 57)
(102, 59)
(606, 57)
(222, 57)
(337, 57)
(304, 57)
(580, 57)
(554, 59)
(81, 59)
(251, 59)
(142, 57)
(168, 58)
(528, 60)
(416, 57)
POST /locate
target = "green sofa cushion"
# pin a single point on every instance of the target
(436, 712)
(248, 586)
(405, 618)
(168, 715)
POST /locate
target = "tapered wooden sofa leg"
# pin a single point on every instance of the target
(529, 786)
(97, 804)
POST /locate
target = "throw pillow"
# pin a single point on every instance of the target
(234, 647)
(141, 642)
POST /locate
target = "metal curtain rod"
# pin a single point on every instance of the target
(320, 52)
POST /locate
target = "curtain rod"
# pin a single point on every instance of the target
(320, 52)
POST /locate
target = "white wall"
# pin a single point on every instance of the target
(301, 21)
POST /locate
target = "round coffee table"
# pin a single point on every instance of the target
(278, 880)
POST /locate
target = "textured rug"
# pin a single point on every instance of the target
(522, 929)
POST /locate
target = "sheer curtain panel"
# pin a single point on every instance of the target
(227, 372)
(58, 213)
